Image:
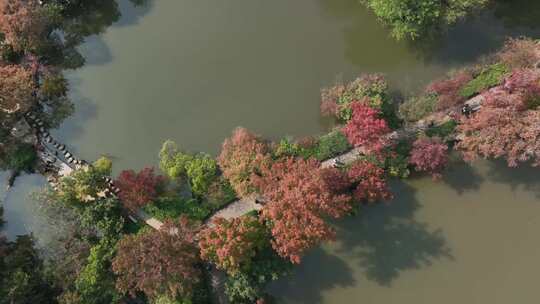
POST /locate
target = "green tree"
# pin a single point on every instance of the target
(414, 19)
(249, 285)
(172, 160)
(95, 283)
(22, 277)
(200, 170)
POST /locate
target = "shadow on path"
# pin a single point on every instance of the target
(462, 177)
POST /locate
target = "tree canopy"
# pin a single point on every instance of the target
(159, 262)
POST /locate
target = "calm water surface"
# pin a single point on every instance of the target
(192, 70)
(471, 238)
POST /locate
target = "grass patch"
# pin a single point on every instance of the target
(489, 77)
(171, 208)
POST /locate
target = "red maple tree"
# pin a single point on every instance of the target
(448, 90)
(241, 156)
(365, 128)
(231, 244)
(158, 262)
(429, 155)
(300, 198)
(506, 126)
(369, 180)
(138, 189)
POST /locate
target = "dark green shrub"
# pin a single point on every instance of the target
(397, 161)
(22, 158)
(331, 145)
(443, 130)
(249, 285)
(219, 194)
(286, 147)
(489, 77)
(171, 208)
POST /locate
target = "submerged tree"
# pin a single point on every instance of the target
(300, 199)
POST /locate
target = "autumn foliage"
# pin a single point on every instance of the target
(138, 189)
(369, 180)
(300, 198)
(448, 90)
(16, 88)
(429, 155)
(23, 23)
(506, 126)
(158, 262)
(366, 128)
(520, 53)
(242, 155)
(231, 244)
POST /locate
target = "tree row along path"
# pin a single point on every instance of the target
(54, 155)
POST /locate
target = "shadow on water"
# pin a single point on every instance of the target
(318, 272)
(462, 177)
(525, 177)
(387, 240)
(133, 11)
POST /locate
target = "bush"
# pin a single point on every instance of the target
(429, 155)
(54, 86)
(416, 108)
(23, 158)
(171, 208)
(286, 147)
(396, 162)
(331, 145)
(372, 89)
(488, 77)
(448, 89)
(249, 286)
(219, 194)
(443, 131)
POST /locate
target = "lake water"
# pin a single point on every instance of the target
(192, 70)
